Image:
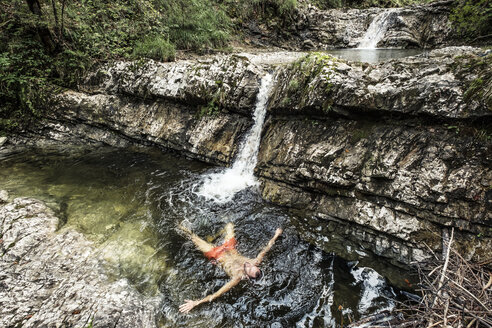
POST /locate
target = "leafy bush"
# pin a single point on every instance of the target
(197, 24)
(155, 47)
(473, 18)
(262, 9)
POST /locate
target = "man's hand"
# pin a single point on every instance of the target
(278, 232)
(187, 306)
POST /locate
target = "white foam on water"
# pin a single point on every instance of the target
(221, 187)
(376, 30)
(373, 288)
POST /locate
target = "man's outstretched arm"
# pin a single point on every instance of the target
(260, 256)
(190, 304)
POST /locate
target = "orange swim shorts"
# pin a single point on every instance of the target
(216, 252)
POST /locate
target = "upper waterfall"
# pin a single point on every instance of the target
(222, 186)
(376, 30)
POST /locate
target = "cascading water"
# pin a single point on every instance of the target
(221, 187)
(376, 30)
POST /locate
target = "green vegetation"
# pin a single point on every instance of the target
(480, 88)
(211, 109)
(155, 47)
(473, 18)
(261, 9)
(48, 44)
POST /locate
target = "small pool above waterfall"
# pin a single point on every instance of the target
(129, 202)
(373, 55)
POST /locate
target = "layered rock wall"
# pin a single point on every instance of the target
(199, 108)
(402, 148)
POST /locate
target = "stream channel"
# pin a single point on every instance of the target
(129, 203)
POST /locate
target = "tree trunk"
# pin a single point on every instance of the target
(43, 32)
(55, 14)
(62, 18)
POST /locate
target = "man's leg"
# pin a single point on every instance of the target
(199, 243)
(228, 231)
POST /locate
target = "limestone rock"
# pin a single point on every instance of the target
(50, 278)
(439, 84)
(3, 140)
(418, 26)
(230, 82)
(400, 181)
(212, 138)
(4, 196)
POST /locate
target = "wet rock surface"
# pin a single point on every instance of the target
(229, 82)
(209, 137)
(200, 108)
(55, 279)
(416, 162)
(407, 182)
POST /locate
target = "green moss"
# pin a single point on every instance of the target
(302, 75)
(480, 88)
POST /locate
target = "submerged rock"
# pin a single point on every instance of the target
(50, 278)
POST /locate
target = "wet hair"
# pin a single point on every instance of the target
(259, 273)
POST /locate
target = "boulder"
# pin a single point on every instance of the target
(55, 279)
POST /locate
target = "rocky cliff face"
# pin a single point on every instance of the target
(391, 153)
(411, 166)
(438, 84)
(57, 279)
(425, 26)
(199, 108)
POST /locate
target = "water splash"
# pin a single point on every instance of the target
(221, 187)
(376, 31)
(375, 296)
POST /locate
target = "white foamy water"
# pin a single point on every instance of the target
(375, 31)
(374, 294)
(221, 187)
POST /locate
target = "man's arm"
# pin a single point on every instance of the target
(260, 256)
(190, 304)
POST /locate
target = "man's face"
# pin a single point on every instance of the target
(252, 270)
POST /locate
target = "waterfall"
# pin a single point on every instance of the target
(221, 187)
(376, 31)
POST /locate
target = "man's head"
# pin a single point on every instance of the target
(251, 270)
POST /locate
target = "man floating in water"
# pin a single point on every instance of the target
(236, 266)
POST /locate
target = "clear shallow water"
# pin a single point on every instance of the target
(373, 55)
(129, 202)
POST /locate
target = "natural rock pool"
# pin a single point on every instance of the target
(373, 55)
(128, 203)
